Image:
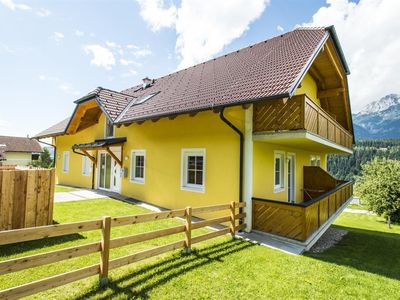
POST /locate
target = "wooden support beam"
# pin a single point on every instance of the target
(334, 63)
(172, 117)
(90, 157)
(193, 114)
(246, 106)
(127, 124)
(330, 92)
(155, 120)
(114, 156)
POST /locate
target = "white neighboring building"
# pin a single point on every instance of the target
(19, 151)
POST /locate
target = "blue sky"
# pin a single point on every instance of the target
(53, 52)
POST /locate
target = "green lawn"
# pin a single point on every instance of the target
(365, 264)
(60, 188)
(357, 206)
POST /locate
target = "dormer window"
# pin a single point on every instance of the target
(109, 132)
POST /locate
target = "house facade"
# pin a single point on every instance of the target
(255, 125)
(20, 151)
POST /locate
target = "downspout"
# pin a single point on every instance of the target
(241, 136)
(54, 147)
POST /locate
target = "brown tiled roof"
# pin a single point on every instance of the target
(264, 70)
(20, 144)
(56, 129)
(272, 68)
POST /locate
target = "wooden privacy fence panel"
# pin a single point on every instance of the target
(298, 221)
(26, 198)
(106, 243)
(299, 112)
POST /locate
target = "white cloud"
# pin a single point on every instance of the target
(102, 57)
(280, 28)
(127, 62)
(43, 12)
(79, 33)
(142, 52)
(57, 36)
(203, 28)
(10, 4)
(48, 78)
(7, 49)
(112, 45)
(67, 88)
(369, 34)
(130, 73)
(156, 14)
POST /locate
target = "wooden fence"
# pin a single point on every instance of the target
(26, 198)
(299, 220)
(106, 243)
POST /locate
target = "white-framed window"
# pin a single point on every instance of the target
(86, 166)
(138, 166)
(315, 160)
(193, 169)
(109, 129)
(65, 162)
(279, 171)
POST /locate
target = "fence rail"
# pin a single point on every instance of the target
(106, 243)
(26, 198)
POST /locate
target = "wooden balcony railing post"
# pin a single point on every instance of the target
(233, 225)
(188, 230)
(105, 250)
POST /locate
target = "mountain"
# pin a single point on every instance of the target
(379, 119)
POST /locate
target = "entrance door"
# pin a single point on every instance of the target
(115, 176)
(109, 173)
(291, 177)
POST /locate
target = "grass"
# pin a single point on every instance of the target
(365, 264)
(61, 188)
(357, 206)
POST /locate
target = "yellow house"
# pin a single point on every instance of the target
(255, 125)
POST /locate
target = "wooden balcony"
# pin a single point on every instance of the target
(299, 113)
(300, 221)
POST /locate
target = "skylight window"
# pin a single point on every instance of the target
(145, 98)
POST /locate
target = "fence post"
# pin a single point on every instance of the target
(233, 222)
(105, 250)
(188, 229)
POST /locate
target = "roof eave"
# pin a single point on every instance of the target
(164, 115)
(333, 34)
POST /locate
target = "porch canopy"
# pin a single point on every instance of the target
(103, 144)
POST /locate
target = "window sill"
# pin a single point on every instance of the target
(279, 189)
(137, 181)
(193, 189)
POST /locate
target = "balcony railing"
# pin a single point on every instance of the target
(299, 113)
(299, 221)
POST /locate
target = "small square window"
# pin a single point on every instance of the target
(193, 169)
(138, 166)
